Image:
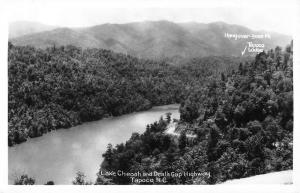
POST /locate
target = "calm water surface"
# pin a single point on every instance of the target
(60, 154)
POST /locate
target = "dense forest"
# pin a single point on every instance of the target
(236, 115)
(60, 87)
(242, 122)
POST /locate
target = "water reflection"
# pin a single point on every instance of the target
(59, 155)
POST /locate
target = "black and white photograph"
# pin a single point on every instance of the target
(149, 93)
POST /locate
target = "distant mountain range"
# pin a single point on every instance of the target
(149, 39)
(21, 28)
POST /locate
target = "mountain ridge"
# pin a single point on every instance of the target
(21, 28)
(154, 39)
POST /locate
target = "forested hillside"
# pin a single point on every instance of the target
(60, 87)
(243, 122)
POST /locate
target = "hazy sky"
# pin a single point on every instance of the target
(256, 14)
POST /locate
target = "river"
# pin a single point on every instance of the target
(58, 155)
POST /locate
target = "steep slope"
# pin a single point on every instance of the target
(243, 123)
(64, 86)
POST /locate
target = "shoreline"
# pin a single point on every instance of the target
(159, 107)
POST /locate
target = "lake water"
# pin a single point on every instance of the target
(58, 155)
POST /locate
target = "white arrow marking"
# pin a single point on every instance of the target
(243, 52)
